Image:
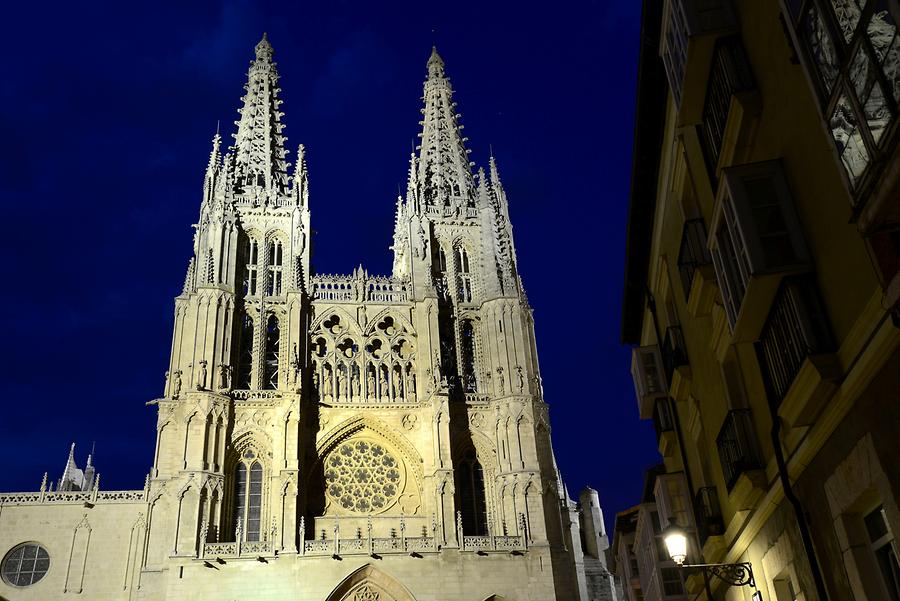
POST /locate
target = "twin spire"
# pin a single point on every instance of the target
(440, 175)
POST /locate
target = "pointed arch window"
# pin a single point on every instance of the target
(276, 269)
(442, 260)
(467, 358)
(464, 279)
(245, 356)
(470, 498)
(270, 363)
(248, 478)
(251, 262)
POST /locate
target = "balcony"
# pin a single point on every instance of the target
(709, 514)
(662, 418)
(690, 29)
(729, 76)
(649, 380)
(795, 352)
(738, 449)
(797, 328)
(756, 239)
(693, 254)
(664, 424)
(674, 351)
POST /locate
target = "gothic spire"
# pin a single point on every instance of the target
(259, 145)
(301, 178)
(444, 173)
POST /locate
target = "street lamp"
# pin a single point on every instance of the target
(735, 574)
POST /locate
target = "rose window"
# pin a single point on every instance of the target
(362, 476)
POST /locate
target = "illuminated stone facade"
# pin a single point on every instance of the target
(358, 437)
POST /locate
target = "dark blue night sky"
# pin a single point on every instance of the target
(107, 114)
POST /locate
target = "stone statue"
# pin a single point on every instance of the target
(166, 385)
(176, 384)
(520, 376)
(328, 384)
(501, 385)
(224, 377)
(429, 381)
(341, 384)
(411, 385)
(315, 383)
(395, 383)
(354, 384)
(382, 381)
(438, 374)
(295, 368)
(201, 379)
(370, 385)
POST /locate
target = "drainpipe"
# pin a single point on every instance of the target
(799, 512)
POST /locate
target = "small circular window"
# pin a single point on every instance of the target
(25, 564)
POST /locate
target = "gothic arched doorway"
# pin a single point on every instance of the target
(370, 584)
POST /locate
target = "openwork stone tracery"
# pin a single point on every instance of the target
(362, 476)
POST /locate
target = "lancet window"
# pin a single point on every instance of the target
(270, 363)
(248, 480)
(442, 261)
(467, 355)
(251, 262)
(276, 269)
(470, 497)
(464, 279)
(245, 356)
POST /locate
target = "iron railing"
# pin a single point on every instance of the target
(796, 328)
(693, 253)
(709, 513)
(673, 351)
(662, 418)
(738, 450)
(729, 73)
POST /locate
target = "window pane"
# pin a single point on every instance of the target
(876, 525)
(868, 90)
(254, 502)
(882, 34)
(25, 565)
(850, 147)
(821, 47)
(848, 13)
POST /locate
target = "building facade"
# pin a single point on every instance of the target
(762, 289)
(342, 437)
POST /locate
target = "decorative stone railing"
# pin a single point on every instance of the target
(245, 394)
(359, 287)
(260, 548)
(493, 543)
(370, 546)
(75, 496)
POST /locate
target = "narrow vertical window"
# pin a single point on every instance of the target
(470, 495)
(464, 280)
(467, 350)
(275, 268)
(273, 335)
(248, 478)
(245, 357)
(254, 502)
(251, 258)
(442, 261)
(240, 497)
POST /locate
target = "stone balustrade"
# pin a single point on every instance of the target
(360, 287)
(73, 496)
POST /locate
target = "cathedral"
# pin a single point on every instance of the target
(320, 437)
